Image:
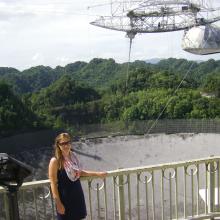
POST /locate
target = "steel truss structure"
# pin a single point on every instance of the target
(153, 16)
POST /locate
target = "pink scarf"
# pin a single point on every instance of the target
(72, 167)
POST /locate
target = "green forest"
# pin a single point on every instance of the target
(102, 91)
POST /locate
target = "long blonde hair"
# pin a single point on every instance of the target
(58, 153)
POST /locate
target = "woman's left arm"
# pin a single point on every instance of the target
(93, 173)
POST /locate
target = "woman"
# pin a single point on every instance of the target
(64, 174)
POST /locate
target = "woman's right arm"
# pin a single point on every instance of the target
(53, 168)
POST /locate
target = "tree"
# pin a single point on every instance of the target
(14, 115)
(212, 84)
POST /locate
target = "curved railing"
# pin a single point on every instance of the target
(181, 190)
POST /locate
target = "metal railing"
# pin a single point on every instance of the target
(181, 190)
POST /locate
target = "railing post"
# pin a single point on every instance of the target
(211, 187)
(7, 214)
(121, 198)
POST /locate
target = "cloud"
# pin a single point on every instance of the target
(63, 60)
(20, 9)
(36, 57)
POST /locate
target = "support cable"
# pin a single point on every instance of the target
(177, 88)
(128, 64)
(170, 99)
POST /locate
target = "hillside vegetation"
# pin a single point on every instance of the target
(101, 91)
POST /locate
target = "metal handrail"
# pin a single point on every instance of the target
(176, 195)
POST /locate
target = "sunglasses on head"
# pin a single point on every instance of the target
(64, 143)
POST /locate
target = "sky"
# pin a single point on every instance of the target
(57, 32)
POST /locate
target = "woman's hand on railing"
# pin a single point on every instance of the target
(93, 173)
(102, 174)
